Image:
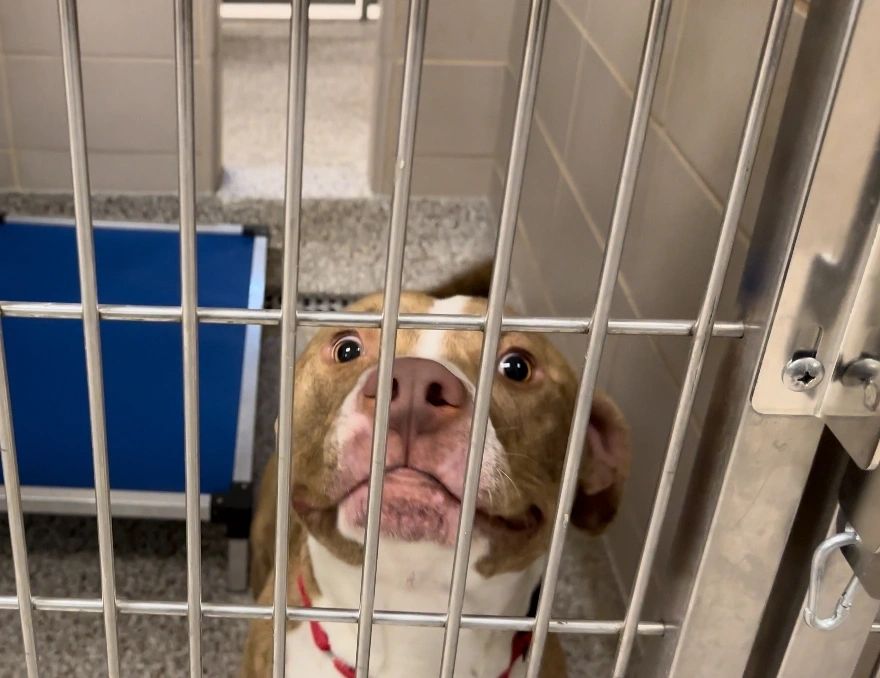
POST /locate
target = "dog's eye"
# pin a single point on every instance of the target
(515, 367)
(347, 348)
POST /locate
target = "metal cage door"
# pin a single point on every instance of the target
(789, 458)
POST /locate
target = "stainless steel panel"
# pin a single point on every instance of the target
(751, 467)
(830, 304)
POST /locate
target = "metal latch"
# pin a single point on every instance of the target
(859, 542)
(817, 569)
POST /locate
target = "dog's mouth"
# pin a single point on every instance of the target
(418, 506)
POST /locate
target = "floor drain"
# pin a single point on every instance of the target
(323, 302)
(314, 302)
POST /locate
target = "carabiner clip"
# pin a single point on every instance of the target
(817, 569)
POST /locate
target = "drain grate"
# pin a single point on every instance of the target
(324, 302)
(314, 302)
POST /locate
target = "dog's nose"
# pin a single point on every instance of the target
(424, 395)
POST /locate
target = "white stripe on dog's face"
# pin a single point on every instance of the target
(434, 345)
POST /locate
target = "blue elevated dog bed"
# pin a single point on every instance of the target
(142, 364)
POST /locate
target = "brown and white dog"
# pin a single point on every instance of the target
(434, 375)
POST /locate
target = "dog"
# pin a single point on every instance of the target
(428, 434)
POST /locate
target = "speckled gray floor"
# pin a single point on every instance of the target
(338, 108)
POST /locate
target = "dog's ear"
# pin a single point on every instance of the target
(474, 282)
(604, 468)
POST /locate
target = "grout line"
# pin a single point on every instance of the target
(655, 123)
(591, 223)
(716, 200)
(624, 286)
(578, 72)
(676, 49)
(663, 132)
(523, 235)
(602, 56)
(564, 5)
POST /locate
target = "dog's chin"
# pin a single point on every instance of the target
(415, 507)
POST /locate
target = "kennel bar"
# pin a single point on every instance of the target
(293, 173)
(410, 321)
(186, 162)
(635, 141)
(760, 100)
(412, 77)
(528, 87)
(70, 53)
(330, 615)
(13, 500)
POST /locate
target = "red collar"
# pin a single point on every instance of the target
(519, 646)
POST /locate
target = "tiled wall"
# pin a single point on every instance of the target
(462, 82)
(582, 112)
(128, 78)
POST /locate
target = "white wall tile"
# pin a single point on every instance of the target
(557, 81)
(711, 82)
(108, 172)
(618, 29)
(672, 235)
(30, 27)
(459, 109)
(457, 29)
(7, 176)
(44, 170)
(36, 97)
(540, 179)
(5, 141)
(127, 28)
(647, 395)
(595, 150)
(506, 113)
(527, 279)
(452, 175)
(129, 105)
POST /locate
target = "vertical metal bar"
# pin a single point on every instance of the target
(186, 157)
(293, 173)
(14, 514)
(85, 246)
(412, 76)
(770, 55)
(635, 142)
(528, 86)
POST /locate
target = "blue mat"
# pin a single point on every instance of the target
(142, 361)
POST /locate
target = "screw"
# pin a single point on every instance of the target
(802, 374)
(864, 372)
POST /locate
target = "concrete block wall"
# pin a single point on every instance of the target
(128, 79)
(462, 82)
(582, 113)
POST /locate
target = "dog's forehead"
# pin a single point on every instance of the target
(416, 302)
(430, 343)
